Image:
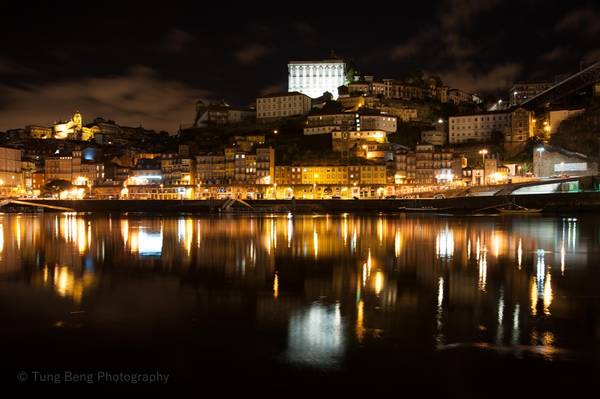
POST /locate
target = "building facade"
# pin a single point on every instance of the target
(276, 106)
(514, 126)
(313, 78)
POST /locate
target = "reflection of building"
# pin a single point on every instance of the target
(274, 106)
(314, 78)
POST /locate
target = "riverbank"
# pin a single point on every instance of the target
(551, 203)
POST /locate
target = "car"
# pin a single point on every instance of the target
(390, 197)
(355, 197)
(439, 196)
(336, 197)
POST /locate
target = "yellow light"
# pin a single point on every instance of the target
(276, 286)
(378, 282)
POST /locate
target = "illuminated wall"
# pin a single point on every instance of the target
(313, 78)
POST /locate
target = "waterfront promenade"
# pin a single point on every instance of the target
(557, 202)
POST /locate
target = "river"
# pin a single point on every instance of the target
(433, 304)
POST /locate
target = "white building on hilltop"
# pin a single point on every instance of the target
(313, 78)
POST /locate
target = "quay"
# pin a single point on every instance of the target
(550, 203)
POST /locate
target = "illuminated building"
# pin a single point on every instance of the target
(72, 129)
(176, 170)
(39, 132)
(210, 169)
(327, 123)
(435, 137)
(146, 171)
(11, 176)
(346, 140)
(234, 166)
(515, 126)
(402, 112)
(325, 175)
(552, 161)
(221, 113)
(386, 88)
(282, 105)
(555, 117)
(459, 97)
(314, 78)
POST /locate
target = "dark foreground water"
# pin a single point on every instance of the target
(305, 305)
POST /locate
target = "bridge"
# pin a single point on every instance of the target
(570, 85)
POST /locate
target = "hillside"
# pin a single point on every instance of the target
(581, 133)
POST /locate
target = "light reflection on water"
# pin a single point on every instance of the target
(334, 283)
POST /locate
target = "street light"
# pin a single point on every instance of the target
(541, 151)
(483, 153)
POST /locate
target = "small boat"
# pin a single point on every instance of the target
(514, 209)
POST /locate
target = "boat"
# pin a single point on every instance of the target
(514, 209)
(424, 209)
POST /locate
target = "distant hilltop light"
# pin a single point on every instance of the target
(314, 78)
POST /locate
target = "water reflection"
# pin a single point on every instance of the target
(426, 282)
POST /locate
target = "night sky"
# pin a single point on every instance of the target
(147, 64)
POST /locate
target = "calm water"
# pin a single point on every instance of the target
(380, 304)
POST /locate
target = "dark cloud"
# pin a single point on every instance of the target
(139, 97)
(448, 37)
(9, 67)
(271, 89)
(592, 55)
(554, 54)
(472, 79)
(583, 20)
(251, 54)
(176, 40)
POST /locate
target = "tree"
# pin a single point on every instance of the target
(57, 186)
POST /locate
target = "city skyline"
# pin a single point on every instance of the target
(141, 69)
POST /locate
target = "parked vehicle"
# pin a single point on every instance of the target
(439, 196)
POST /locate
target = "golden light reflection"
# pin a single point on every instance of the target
(66, 284)
(316, 243)
(1, 238)
(397, 243)
(18, 231)
(520, 253)
(548, 294)
(483, 270)
(444, 243)
(360, 321)
(378, 282)
(496, 245)
(125, 231)
(533, 294)
(562, 258)
(276, 286)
